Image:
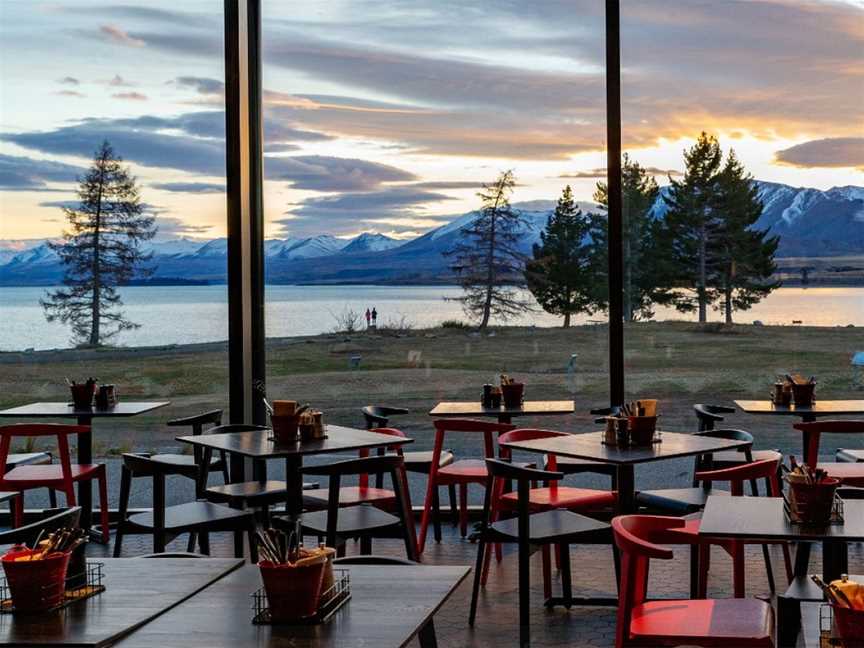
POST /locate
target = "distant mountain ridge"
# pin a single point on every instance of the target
(810, 222)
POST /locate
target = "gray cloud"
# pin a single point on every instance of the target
(828, 152)
(170, 227)
(18, 173)
(68, 80)
(70, 93)
(119, 82)
(601, 173)
(189, 187)
(130, 96)
(201, 85)
(322, 173)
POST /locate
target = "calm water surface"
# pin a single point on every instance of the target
(187, 314)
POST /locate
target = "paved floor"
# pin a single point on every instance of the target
(593, 574)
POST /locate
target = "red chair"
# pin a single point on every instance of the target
(713, 623)
(363, 493)
(61, 477)
(461, 472)
(689, 534)
(849, 474)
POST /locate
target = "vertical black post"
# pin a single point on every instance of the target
(613, 165)
(243, 137)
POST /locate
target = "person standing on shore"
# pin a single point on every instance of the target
(374, 317)
(368, 319)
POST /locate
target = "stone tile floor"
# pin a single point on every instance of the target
(593, 575)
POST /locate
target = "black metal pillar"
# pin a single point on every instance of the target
(613, 165)
(243, 136)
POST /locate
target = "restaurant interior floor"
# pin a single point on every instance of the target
(497, 620)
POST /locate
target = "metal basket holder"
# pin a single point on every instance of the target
(92, 585)
(837, 512)
(331, 600)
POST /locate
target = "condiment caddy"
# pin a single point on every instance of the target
(632, 424)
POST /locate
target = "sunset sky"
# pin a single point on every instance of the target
(386, 115)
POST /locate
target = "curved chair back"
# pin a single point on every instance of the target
(364, 452)
(767, 469)
(637, 538)
(60, 430)
(198, 421)
(528, 434)
(379, 415)
(27, 534)
(708, 415)
(814, 431)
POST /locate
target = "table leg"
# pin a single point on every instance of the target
(85, 488)
(626, 489)
(427, 635)
(237, 468)
(835, 559)
(294, 488)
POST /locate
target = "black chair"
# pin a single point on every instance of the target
(27, 534)
(197, 423)
(336, 524)
(165, 523)
(556, 527)
(416, 461)
(707, 416)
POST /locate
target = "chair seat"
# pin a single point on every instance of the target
(420, 461)
(731, 458)
(250, 491)
(743, 623)
(185, 460)
(843, 454)
(549, 526)
(27, 459)
(189, 515)
(471, 469)
(563, 497)
(677, 500)
(53, 473)
(351, 520)
(350, 496)
(850, 474)
(576, 466)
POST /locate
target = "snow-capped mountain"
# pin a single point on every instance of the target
(809, 222)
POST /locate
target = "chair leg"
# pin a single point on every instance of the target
(427, 514)
(766, 556)
(366, 545)
(193, 540)
(436, 514)
(103, 506)
(52, 498)
(204, 544)
(524, 591)
(694, 571)
(125, 486)
(463, 510)
(547, 571)
(454, 511)
(223, 457)
(17, 507)
(566, 582)
(253, 544)
(238, 543)
(787, 563)
(704, 568)
(478, 571)
(738, 569)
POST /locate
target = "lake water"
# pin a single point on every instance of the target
(187, 314)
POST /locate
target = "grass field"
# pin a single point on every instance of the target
(679, 363)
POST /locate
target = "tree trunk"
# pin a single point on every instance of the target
(728, 300)
(628, 281)
(703, 277)
(567, 319)
(96, 304)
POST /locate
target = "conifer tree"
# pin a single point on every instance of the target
(645, 281)
(746, 255)
(693, 228)
(100, 251)
(487, 260)
(561, 274)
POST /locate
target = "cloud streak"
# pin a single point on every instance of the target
(18, 173)
(829, 152)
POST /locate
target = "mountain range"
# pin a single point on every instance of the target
(810, 222)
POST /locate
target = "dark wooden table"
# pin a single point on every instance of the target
(389, 606)
(258, 445)
(763, 518)
(503, 414)
(589, 446)
(122, 409)
(807, 414)
(137, 590)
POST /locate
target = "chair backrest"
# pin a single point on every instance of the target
(394, 465)
(372, 560)
(488, 429)
(237, 427)
(378, 415)
(637, 538)
(601, 413)
(59, 430)
(703, 462)
(198, 421)
(736, 476)
(136, 465)
(28, 533)
(707, 415)
(528, 434)
(813, 432)
(364, 452)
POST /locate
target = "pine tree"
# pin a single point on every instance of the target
(100, 251)
(693, 228)
(747, 256)
(561, 276)
(644, 272)
(487, 260)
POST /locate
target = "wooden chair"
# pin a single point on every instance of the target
(689, 533)
(459, 473)
(708, 415)
(338, 523)
(713, 623)
(197, 423)
(416, 461)
(27, 534)
(849, 474)
(33, 459)
(165, 523)
(62, 477)
(551, 527)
